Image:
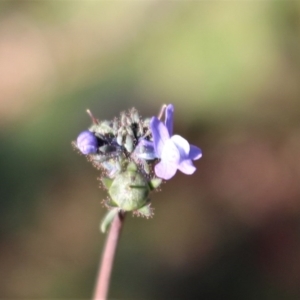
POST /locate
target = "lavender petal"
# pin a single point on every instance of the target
(170, 159)
(170, 154)
(169, 118)
(160, 135)
(195, 153)
(187, 167)
(165, 171)
(182, 145)
(145, 150)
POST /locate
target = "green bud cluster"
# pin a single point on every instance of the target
(128, 178)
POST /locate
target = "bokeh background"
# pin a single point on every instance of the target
(232, 70)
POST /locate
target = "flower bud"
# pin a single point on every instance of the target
(129, 143)
(115, 126)
(87, 142)
(129, 190)
(134, 115)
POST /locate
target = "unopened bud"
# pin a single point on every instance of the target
(129, 190)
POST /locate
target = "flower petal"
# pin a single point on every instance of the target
(160, 135)
(182, 145)
(170, 153)
(187, 167)
(169, 118)
(165, 171)
(145, 150)
(170, 159)
(195, 152)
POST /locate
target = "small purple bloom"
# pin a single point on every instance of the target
(174, 151)
(87, 142)
(145, 150)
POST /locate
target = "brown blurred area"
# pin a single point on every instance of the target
(232, 70)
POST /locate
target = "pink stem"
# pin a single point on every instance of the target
(105, 268)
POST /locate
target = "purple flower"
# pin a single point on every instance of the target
(145, 150)
(174, 151)
(87, 142)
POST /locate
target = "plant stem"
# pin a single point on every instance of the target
(105, 268)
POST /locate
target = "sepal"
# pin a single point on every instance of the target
(154, 183)
(108, 218)
(107, 182)
(145, 211)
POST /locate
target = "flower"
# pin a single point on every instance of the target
(174, 151)
(145, 150)
(87, 142)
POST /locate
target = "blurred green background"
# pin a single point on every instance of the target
(232, 70)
